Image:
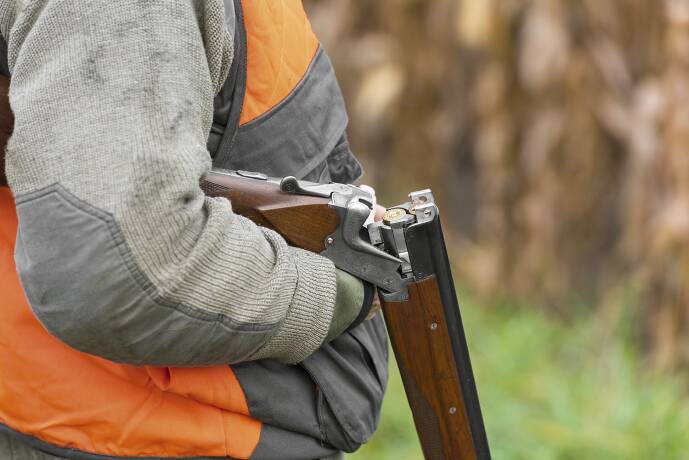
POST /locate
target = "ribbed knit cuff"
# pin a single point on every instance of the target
(310, 313)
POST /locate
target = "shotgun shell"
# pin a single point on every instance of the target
(393, 214)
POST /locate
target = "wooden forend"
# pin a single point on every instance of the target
(420, 339)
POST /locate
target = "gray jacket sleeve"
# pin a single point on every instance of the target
(119, 251)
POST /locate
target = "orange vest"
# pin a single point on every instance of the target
(72, 400)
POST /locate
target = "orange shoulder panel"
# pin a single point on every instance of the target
(280, 48)
(74, 400)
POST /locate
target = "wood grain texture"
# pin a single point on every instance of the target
(424, 355)
(6, 123)
(304, 221)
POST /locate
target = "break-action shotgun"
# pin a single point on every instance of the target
(406, 258)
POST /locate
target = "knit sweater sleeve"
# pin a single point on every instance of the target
(119, 251)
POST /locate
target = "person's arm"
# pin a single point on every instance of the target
(119, 251)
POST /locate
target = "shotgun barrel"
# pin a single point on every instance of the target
(428, 339)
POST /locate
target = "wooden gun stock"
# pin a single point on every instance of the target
(304, 221)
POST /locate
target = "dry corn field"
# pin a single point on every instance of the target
(555, 134)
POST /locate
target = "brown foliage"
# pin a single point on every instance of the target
(555, 132)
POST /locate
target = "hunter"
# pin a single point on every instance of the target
(139, 317)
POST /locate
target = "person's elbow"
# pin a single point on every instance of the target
(85, 288)
(104, 311)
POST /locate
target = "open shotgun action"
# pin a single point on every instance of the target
(405, 257)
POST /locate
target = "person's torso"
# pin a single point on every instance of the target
(280, 112)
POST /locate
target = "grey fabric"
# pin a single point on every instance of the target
(227, 105)
(343, 166)
(297, 135)
(230, 21)
(289, 445)
(334, 396)
(359, 358)
(340, 166)
(12, 448)
(336, 456)
(130, 140)
(83, 285)
(4, 66)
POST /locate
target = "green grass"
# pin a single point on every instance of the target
(552, 389)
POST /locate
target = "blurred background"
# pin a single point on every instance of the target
(555, 135)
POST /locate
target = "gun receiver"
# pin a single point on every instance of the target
(406, 258)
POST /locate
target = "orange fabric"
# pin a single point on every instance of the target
(280, 48)
(74, 400)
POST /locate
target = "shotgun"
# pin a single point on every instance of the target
(405, 257)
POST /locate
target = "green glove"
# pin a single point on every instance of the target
(352, 303)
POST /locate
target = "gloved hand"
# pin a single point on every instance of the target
(348, 287)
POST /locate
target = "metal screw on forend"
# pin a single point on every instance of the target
(453, 410)
(434, 326)
(330, 240)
